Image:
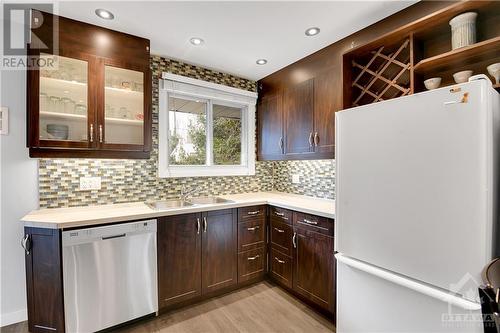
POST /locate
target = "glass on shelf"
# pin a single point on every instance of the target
(122, 103)
(59, 96)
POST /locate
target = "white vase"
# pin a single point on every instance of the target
(463, 30)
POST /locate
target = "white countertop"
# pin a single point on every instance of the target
(62, 218)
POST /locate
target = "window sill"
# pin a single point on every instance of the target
(204, 171)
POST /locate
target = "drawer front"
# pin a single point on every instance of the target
(281, 214)
(251, 264)
(281, 237)
(251, 213)
(251, 235)
(281, 267)
(315, 223)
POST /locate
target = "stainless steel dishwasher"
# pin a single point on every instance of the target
(109, 275)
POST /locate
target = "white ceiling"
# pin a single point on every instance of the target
(236, 33)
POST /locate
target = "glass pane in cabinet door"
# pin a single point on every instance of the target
(63, 99)
(124, 106)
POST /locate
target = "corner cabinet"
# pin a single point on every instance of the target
(91, 96)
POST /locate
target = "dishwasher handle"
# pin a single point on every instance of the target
(114, 236)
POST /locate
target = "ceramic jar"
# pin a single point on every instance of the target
(463, 30)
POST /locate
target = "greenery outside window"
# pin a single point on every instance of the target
(205, 129)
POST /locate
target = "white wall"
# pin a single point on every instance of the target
(18, 196)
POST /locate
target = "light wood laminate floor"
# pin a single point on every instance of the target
(263, 307)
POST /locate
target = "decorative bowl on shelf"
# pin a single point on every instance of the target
(463, 30)
(462, 76)
(432, 83)
(57, 131)
(494, 70)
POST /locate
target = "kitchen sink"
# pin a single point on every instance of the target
(208, 200)
(168, 204)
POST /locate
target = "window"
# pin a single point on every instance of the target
(205, 129)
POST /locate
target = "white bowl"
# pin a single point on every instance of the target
(432, 83)
(494, 70)
(461, 77)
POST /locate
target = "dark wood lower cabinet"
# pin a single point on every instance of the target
(201, 255)
(281, 268)
(302, 258)
(179, 258)
(314, 268)
(219, 250)
(44, 285)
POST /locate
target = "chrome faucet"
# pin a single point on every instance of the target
(185, 193)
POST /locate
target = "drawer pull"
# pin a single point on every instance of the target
(253, 258)
(281, 215)
(255, 212)
(279, 230)
(280, 261)
(310, 222)
(253, 228)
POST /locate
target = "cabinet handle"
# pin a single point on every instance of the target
(204, 224)
(279, 230)
(311, 139)
(280, 261)
(282, 215)
(26, 243)
(198, 226)
(316, 139)
(310, 222)
(255, 212)
(294, 240)
(254, 228)
(281, 142)
(253, 258)
(91, 132)
(100, 133)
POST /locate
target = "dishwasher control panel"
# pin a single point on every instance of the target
(73, 237)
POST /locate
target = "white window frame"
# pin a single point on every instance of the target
(172, 85)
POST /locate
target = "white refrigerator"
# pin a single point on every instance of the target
(416, 199)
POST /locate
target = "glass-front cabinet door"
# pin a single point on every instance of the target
(122, 116)
(63, 102)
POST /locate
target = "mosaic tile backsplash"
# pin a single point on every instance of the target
(136, 180)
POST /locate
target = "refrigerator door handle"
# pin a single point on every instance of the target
(408, 283)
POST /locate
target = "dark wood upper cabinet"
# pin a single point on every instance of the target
(270, 127)
(298, 106)
(327, 101)
(219, 250)
(179, 258)
(299, 123)
(93, 99)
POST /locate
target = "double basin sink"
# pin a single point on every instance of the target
(179, 203)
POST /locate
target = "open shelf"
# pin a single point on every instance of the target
(430, 54)
(458, 58)
(84, 118)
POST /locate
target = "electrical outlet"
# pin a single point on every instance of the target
(90, 183)
(295, 178)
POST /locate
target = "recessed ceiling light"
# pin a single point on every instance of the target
(261, 62)
(104, 14)
(196, 41)
(312, 31)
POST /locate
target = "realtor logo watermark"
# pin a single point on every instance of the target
(459, 318)
(25, 37)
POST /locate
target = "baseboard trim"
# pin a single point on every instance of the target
(13, 317)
